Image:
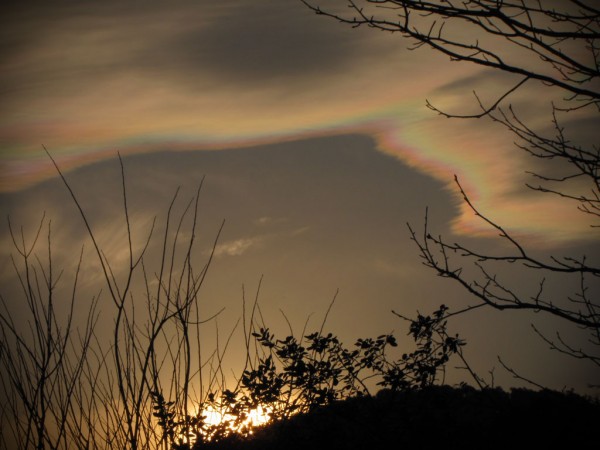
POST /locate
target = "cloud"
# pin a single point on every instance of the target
(299, 231)
(394, 269)
(267, 220)
(263, 220)
(236, 247)
(87, 79)
(259, 43)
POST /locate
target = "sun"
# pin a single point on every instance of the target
(213, 417)
(255, 417)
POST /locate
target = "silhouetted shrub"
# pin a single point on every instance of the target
(294, 376)
(434, 417)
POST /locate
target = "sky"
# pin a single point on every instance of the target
(315, 145)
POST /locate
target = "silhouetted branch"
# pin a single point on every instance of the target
(530, 27)
(555, 45)
(518, 376)
(493, 292)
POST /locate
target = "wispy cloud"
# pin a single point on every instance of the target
(396, 269)
(261, 221)
(267, 220)
(299, 231)
(236, 247)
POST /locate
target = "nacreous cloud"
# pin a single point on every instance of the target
(87, 79)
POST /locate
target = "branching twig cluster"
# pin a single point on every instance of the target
(545, 32)
(64, 385)
(553, 44)
(489, 288)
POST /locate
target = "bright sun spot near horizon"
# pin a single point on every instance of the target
(214, 418)
(256, 417)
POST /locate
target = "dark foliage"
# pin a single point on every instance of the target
(434, 417)
(292, 377)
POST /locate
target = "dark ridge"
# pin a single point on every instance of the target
(436, 417)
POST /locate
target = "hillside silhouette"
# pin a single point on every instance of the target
(435, 417)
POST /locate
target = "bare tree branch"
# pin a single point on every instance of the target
(558, 46)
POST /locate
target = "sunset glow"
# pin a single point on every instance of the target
(201, 195)
(256, 417)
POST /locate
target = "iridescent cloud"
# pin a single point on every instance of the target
(87, 81)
